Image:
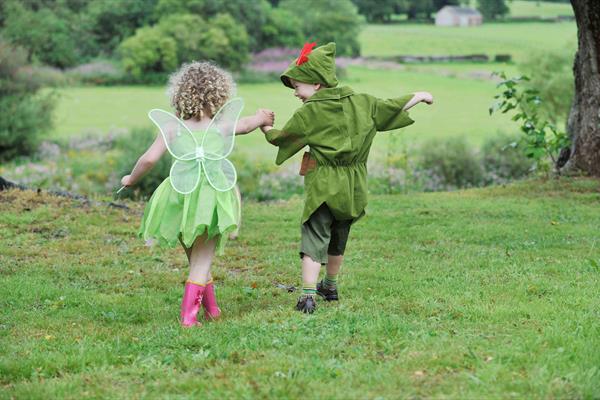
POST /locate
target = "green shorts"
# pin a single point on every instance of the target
(323, 235)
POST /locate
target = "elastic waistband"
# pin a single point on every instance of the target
(341, 164)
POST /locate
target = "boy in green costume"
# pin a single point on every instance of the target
(338, 125)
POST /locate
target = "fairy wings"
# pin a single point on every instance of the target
(208, 157)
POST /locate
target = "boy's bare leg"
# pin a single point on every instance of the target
(310, 273)
(328, 286)
(334, 264)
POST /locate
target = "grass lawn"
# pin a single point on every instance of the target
(489, 293)
(517, 39)
(461, 106)
(544, 9)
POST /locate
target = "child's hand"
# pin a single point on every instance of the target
(126, 180)
(266, 116)
(266, 128)
(426, 97)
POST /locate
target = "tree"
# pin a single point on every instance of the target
(63, 33)
(491, 9)
(254, 15)
(378, 10)
(235, 53)
(584, 119)
(419, 7)
(281, 30)
(437, 4)
(424, 8)
(45, 35)
(110, 22)
(326, 21)
(189, 33)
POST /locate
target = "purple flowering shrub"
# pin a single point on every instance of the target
(272, 62)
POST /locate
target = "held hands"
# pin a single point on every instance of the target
(267, 118)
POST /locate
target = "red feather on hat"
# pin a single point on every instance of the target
(306, 50)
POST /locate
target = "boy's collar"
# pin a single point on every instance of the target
(335, 93)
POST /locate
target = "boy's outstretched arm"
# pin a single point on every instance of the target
(418, 97)
(145, 162)
(262, 117)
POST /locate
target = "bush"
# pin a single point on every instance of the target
(450, 164)
(45, 76)
(541, 141)
(182, 38)
(503, 161)
(26, 114)
(263, 180)
(149, 51)
(551, 75)
(98, 73)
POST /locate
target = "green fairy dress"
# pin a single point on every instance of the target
(171, 217)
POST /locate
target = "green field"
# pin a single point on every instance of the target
(517, 39)
(543, 9)
(462, 91)
(460, 109)
(475, 294)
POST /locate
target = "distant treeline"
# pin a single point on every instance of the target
(154, 36)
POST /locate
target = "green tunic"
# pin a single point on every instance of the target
(338, 125)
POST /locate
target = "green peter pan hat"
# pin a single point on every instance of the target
(313, 66)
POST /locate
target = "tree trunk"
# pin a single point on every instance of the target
(584, 120)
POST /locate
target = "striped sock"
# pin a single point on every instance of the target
(309, 290)
(330, 281)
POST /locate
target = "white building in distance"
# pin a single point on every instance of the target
(458, 16)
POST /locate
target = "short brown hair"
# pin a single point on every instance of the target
(199, 87)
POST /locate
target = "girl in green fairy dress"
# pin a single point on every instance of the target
(191, 207)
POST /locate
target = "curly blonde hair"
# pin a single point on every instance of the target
(198, 88)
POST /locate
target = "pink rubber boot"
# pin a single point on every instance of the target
(209, 301)
(190, 304)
